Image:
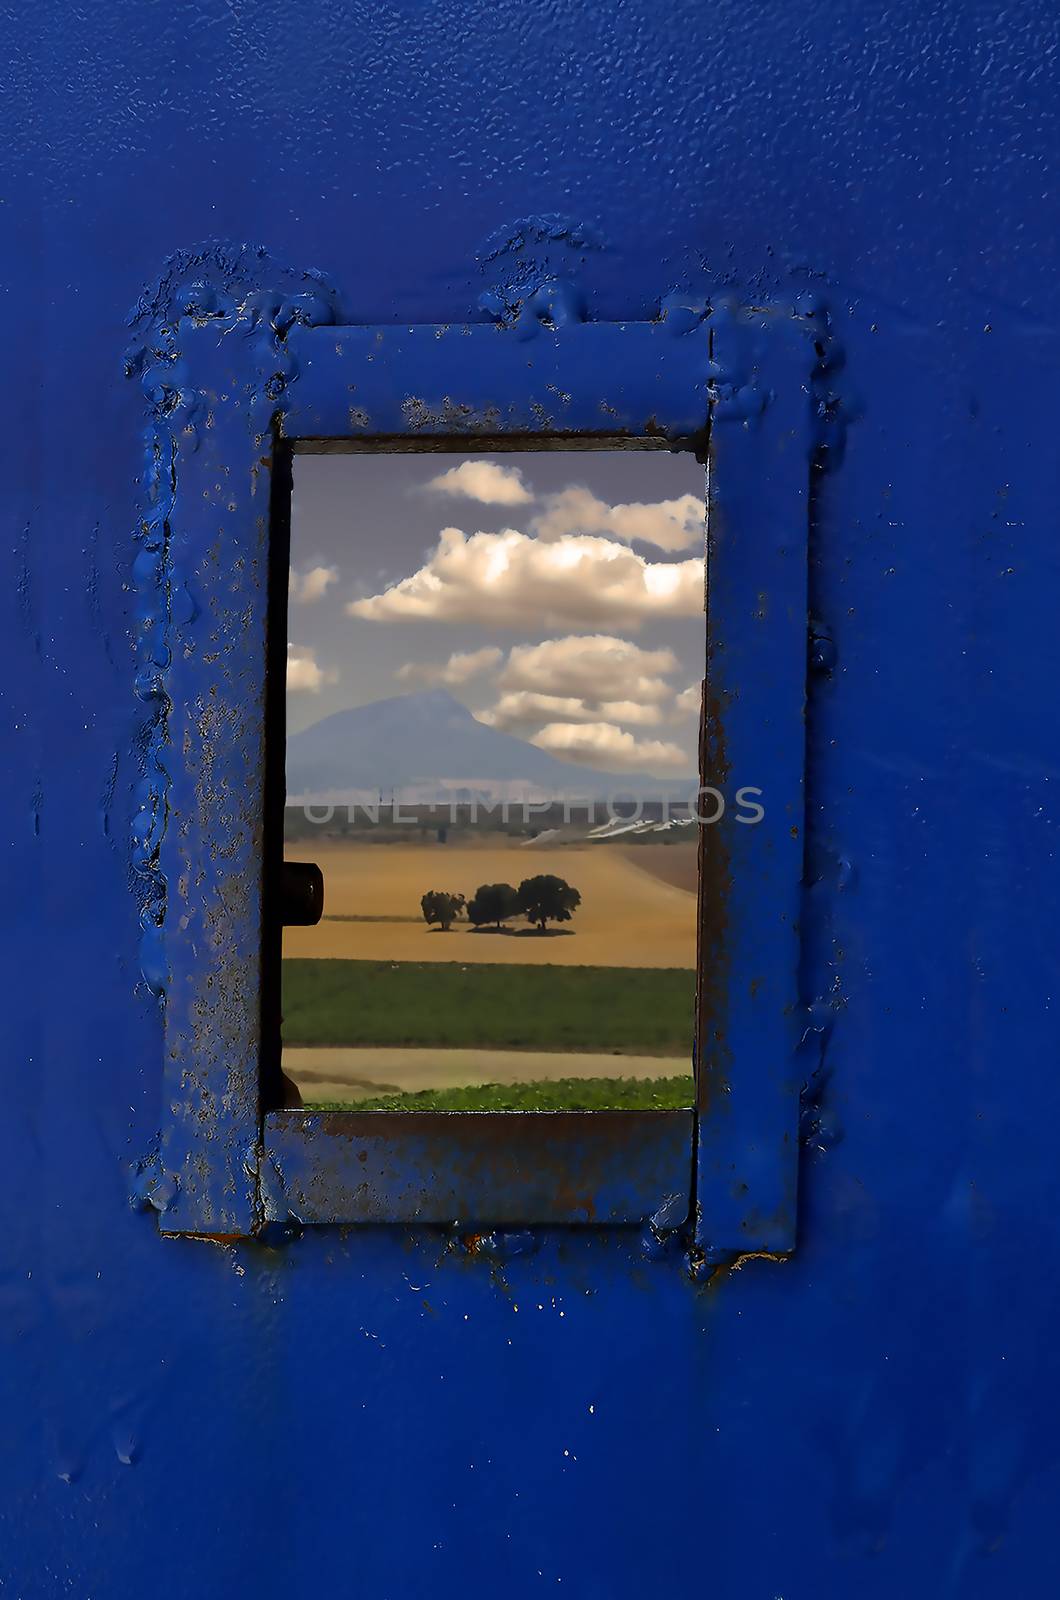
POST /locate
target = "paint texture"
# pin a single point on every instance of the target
(876, 1416)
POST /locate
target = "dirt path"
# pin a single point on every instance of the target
(347, 1073)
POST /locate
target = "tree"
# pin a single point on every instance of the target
(492, 903)
(437, 906)
(547, 899)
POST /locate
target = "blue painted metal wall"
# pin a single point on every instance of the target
(370, 1414)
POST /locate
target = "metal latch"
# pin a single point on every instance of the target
(301, 894)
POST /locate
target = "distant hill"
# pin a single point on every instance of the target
(428, 745)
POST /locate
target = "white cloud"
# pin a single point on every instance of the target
(485, 481)
(509, 579)
(594, 667)
(689, 702)
(521, 708)
(628, 711)
(305, 587)
(667, 524)
(304, 673)
(602, 744)
(460, 668)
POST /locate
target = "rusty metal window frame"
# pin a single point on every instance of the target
(237, 386)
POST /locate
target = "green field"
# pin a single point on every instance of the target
(564, 1094)
(639, 1011)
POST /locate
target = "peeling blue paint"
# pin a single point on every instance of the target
(535, 265)
(876, 1417)
(243, 292)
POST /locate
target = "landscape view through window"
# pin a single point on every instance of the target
(494, 679)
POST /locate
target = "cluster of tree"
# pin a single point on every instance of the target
(540, 900)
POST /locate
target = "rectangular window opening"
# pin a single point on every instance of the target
(483, 728)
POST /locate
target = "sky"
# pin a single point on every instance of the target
(557, 594)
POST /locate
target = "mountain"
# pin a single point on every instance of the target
(431, 744)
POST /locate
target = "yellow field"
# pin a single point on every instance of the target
(629, 916)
